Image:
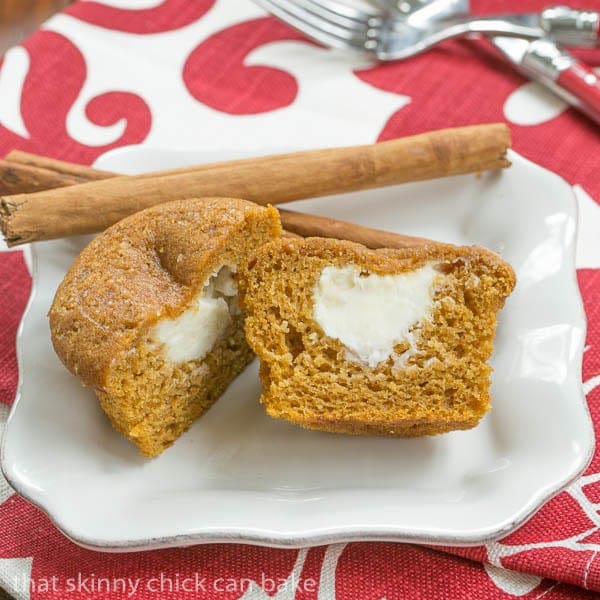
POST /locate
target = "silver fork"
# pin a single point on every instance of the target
(389, 37)
(542, 60)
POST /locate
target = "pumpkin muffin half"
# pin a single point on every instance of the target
(148, 314)
(387, 342)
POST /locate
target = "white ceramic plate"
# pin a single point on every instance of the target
(238, 475)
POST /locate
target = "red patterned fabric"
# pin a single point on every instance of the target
(249, 90)
(56, 99)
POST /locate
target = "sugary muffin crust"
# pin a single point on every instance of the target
(146, 269)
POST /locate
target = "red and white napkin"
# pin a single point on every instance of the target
(185, 74)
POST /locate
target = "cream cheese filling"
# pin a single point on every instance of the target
(370, 314)
(193, 334)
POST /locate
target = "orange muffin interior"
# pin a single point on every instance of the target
(386, 342)
(148, 314)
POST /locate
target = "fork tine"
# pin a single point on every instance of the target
(323, 30)
(352, 16)
(313, 14)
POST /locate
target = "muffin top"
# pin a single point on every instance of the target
(145, 267)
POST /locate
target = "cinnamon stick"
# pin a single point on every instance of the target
(58, 167)
(494, 139)
(91, 207)
(21, 178)
(295, 224)
(306, 225)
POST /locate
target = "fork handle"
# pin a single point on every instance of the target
(571, 79)
(584, 85)
(572, 27)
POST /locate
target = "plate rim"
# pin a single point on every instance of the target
(279, 539)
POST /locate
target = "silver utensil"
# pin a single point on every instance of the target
(389, 36)
(546, 62)
(541, 60)
(572, 27)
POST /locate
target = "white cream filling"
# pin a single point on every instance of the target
(370, 314)
(193, 334)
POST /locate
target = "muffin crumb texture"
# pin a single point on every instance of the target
(148, 314)
(386, 342)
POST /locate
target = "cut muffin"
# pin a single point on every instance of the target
(148, 315)
(387, 342)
